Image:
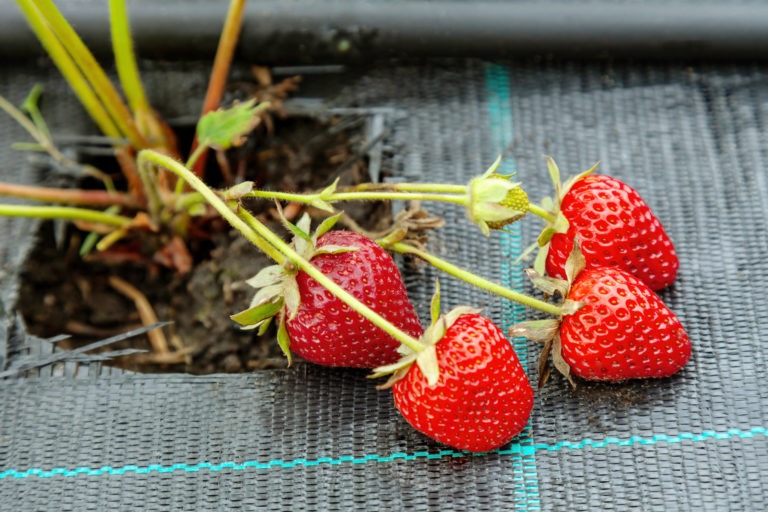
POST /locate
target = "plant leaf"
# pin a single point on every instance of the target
(225, 128)
(326, 225)
(263, 326)
(335, 249)
(267, 276)
(284, 340)
(257, 314)
(554, 175)
(435, 304)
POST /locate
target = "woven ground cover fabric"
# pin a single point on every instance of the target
(689, 139)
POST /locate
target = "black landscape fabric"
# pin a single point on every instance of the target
(690, 139)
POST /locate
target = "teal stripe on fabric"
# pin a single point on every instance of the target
(514, 450)
(500, 119)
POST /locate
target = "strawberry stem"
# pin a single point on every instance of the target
(541, 212)
(357, 196)
(477, 281)
(68, 196)
(63, 212)
(263, 238)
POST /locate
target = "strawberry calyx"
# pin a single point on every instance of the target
(277, 289)
(494, 200)
(547, 331)
(549, 209)
(426, 357)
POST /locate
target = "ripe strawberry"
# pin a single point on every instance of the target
(612, 328)
(326, 331)
(480, 397)
(317, 325)
(623, 331)
(615, 228)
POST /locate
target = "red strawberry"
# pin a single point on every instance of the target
(612, 328)
(623, 331)
(326, 331)
(481, 397)
(615, 228)
(316, 324)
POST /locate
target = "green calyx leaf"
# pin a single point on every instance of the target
(253, 317)
(284, 340)
(435, 303)
(326, 225)
(228, 127)
(267, 276)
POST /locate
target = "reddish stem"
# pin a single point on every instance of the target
(230, 35)
(67, 196)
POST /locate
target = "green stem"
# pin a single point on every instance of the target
(69, 69)
(125, 58)
(477, 281)
(82, 70)
(357, 196)
(191, 161)
(147, 157)
(541, 212)
(263, 238)
(63, 212)
(408, 187)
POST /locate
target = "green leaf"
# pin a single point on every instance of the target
(326, 225)
(335, 249)
(283, 340)
(257, 314)
(263, 326)
(435, 304)
(540, 263)
(267, 276)
(225, 128)
(492, 169)
(32, 100)
(554, 175)
(546, 235)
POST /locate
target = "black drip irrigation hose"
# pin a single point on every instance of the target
(307, 32)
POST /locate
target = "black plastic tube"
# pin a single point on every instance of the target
(309, 32)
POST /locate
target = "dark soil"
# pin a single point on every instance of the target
(62, 293)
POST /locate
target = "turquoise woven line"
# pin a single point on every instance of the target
(497, 81)
(515, 450)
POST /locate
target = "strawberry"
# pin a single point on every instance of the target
(317, 325)
(615, 227)
(613, 328)
(326, 331)
(467, 388)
